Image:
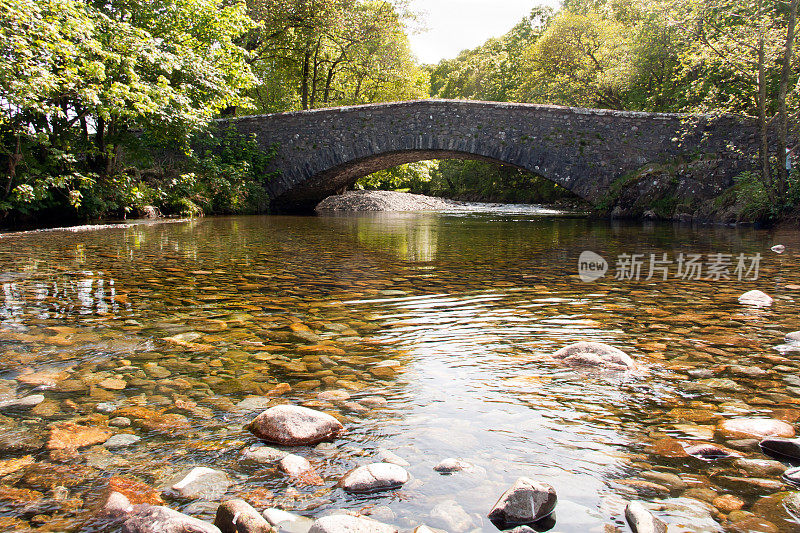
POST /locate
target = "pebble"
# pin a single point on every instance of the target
(755, 298)
(388, 456)
(238, 516)
(374, 477)
(525, 502)
(451, 464)
(710, 452)
(199, 483)
(70, 436)
(120, 422)
(21, 404)
(344, 523)
(760, 467)
(113, 384)
(121, 440)
(293, 425)
(294, 465)
(276, 516)
(373, 401)
(781, 447)
(741, 428)
(106, 407)
(262, 455)
(334, 395)
(727, 503)
(750, 485)
(792, 475)
(752, 524)
(671, 481)
(642, 520)
(452, 516)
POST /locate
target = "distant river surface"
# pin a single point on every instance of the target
(189, 329)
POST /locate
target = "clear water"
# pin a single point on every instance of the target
(469, 305)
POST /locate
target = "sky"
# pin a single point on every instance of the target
(454, 25)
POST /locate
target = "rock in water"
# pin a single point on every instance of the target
(641, 520)
(710, 452)
(345, 523)
(451, 464)
(200, 483)
(158, 519)
(292, 425)
(756, 298)
(238, 516)
(278, 516)
(781, 447)
(527, 501)
(793, 336)
(595, 354)
(778, 248)
(792, 476)
(374, 477)
(22, 404)
(759, 428)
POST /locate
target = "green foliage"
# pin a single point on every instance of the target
(580, 59)
(331, 52)
(229, 171)
(408, 177)
(467, 180)
(78, 78)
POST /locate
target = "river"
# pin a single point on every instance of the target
(435, 329)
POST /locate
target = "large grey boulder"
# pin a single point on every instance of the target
(374, 477)
(527, 501)
(595, 354)
(158, 519)
(293, 425)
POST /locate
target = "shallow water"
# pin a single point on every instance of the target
(192, 318)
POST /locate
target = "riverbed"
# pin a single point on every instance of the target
(435, 329)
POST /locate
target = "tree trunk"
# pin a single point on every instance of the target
(783, 118)
(763, 147)
(315, 72)
(304, 82)
(13, 160)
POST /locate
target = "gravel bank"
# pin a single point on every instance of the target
(385, 201)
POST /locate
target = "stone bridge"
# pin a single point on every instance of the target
(322, 151)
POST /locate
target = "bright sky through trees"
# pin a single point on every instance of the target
(454, 25)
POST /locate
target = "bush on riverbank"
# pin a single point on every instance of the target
(688, 190)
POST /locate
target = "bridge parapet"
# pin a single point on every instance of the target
(584, 150)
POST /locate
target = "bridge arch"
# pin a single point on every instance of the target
(584, 150)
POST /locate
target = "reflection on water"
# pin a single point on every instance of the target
(189, 329)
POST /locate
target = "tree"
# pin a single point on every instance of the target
(77, 77)
(309, 53)
(580, 59)
(738, 57)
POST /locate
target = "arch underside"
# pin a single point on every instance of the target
(306, 195)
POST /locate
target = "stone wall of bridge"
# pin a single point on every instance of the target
(584, 150)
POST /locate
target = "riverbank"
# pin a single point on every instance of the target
(393, 201)
(385, 201)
